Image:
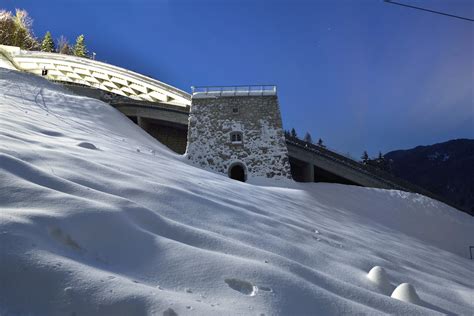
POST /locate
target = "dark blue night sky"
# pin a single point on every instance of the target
(359, 74)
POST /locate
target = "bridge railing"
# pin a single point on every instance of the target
(241, 90)
(371, 171)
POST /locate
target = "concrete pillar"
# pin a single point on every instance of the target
(140, 122)
(308, 172)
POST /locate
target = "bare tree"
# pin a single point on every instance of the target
(63, 46)
(307, 138)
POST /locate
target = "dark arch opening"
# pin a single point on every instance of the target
(237, 172)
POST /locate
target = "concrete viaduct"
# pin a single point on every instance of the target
(163, 111)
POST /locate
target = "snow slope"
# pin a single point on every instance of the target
(98, 218)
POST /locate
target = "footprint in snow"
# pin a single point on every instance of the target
(63, 238)
(87, 145)
(51, 133)
(242, 286)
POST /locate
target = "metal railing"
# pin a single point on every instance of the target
(241, 90)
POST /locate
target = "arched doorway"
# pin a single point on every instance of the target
(237, 172)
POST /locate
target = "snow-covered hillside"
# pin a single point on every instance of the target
(98, 218)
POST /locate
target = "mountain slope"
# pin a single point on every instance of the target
(97, 218)
(446, 169)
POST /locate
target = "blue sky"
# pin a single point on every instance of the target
(362, 75)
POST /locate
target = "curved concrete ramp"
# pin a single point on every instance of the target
(84, 71)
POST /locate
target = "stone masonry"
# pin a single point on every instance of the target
(261, 150)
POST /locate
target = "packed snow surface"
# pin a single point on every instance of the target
(98, 218)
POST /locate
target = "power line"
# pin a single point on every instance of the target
(428, 10)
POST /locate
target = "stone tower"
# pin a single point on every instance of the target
(237, 131)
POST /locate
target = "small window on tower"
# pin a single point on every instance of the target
(235, 110)
(236, 137)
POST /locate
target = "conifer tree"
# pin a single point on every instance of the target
(48, 44)
(365, 157)
(383, 163)
(80, 49)
(293, 133)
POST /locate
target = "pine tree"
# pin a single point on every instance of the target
(308, 138)
(48, 44)
(80, 49)
(365, 157)
(382, 163)
(293, 133)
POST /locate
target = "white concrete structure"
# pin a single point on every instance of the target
(84, 71)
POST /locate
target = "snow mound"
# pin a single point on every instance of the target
(380, 278)
(406, 292)
(133, 229)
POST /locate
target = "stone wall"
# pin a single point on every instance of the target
(262, 152)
